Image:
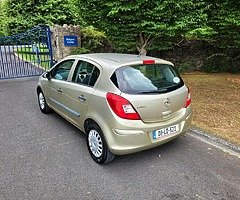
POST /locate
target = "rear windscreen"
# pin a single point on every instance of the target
(147, 79)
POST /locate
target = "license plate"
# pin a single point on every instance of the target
(165, 132)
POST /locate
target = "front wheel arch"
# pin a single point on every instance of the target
(46, 109)
(39, 89)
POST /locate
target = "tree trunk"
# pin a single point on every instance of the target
(142, 51)
(143, 43)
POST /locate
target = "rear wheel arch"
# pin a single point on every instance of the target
(89, 121)
(99, 123)
(107, 155)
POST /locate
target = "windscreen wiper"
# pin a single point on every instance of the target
(154, 91)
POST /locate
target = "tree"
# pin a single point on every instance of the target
(143, 24)
(24, 14)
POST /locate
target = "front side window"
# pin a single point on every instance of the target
(62, 70)
(85, 73)
(146, 79)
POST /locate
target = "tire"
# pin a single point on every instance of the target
(42, 103)
(97, 145)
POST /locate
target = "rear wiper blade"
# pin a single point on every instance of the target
(154, 91)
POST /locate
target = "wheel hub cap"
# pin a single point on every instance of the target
(95, 143)
(41, 101)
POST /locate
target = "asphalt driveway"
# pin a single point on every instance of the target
(45, 157)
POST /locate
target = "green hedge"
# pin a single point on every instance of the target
(221, 63)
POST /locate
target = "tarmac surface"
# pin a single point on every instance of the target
(45, 157)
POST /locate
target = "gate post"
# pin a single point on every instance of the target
(50, 45)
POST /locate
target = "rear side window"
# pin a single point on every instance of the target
(147, 79)
(85, 73)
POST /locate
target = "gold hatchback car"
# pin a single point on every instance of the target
(124, 103)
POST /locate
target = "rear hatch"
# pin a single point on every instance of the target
(156, 91)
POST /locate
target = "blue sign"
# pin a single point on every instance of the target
(70, 41)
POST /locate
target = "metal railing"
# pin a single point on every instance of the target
(26, 54)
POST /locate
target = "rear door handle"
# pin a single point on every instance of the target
(81, 98)
(59, 90)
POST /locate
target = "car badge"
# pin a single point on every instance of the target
(167, 102)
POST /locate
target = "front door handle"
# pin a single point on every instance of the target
(59, 90)
(81, 98)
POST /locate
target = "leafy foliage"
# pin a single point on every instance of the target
(224, 18)
(24, 14)
(160, 26)
(221, 63)
(143, 23)
(139, 26)
(3, 21)
(93, 41)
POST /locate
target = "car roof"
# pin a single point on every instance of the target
(117, 59)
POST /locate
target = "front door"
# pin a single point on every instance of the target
(54, 89)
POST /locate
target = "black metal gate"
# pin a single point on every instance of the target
(26, 54)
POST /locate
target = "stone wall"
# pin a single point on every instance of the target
(58, 32)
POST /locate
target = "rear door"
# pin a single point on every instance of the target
(156, 91)
(78, 91)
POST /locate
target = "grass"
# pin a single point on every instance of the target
(27, 54)
(216, 103)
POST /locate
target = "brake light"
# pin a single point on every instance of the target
(148, 62)
(122, 107)
(189, 100)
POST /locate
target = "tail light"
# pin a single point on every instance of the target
(188, 100)
(122, 107)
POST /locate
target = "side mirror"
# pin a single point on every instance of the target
(48, 76)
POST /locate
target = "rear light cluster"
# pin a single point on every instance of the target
(122, 107)
(188, 100)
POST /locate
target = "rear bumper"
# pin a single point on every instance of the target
(126, 141)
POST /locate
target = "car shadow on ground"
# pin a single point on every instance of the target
(159, 152)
